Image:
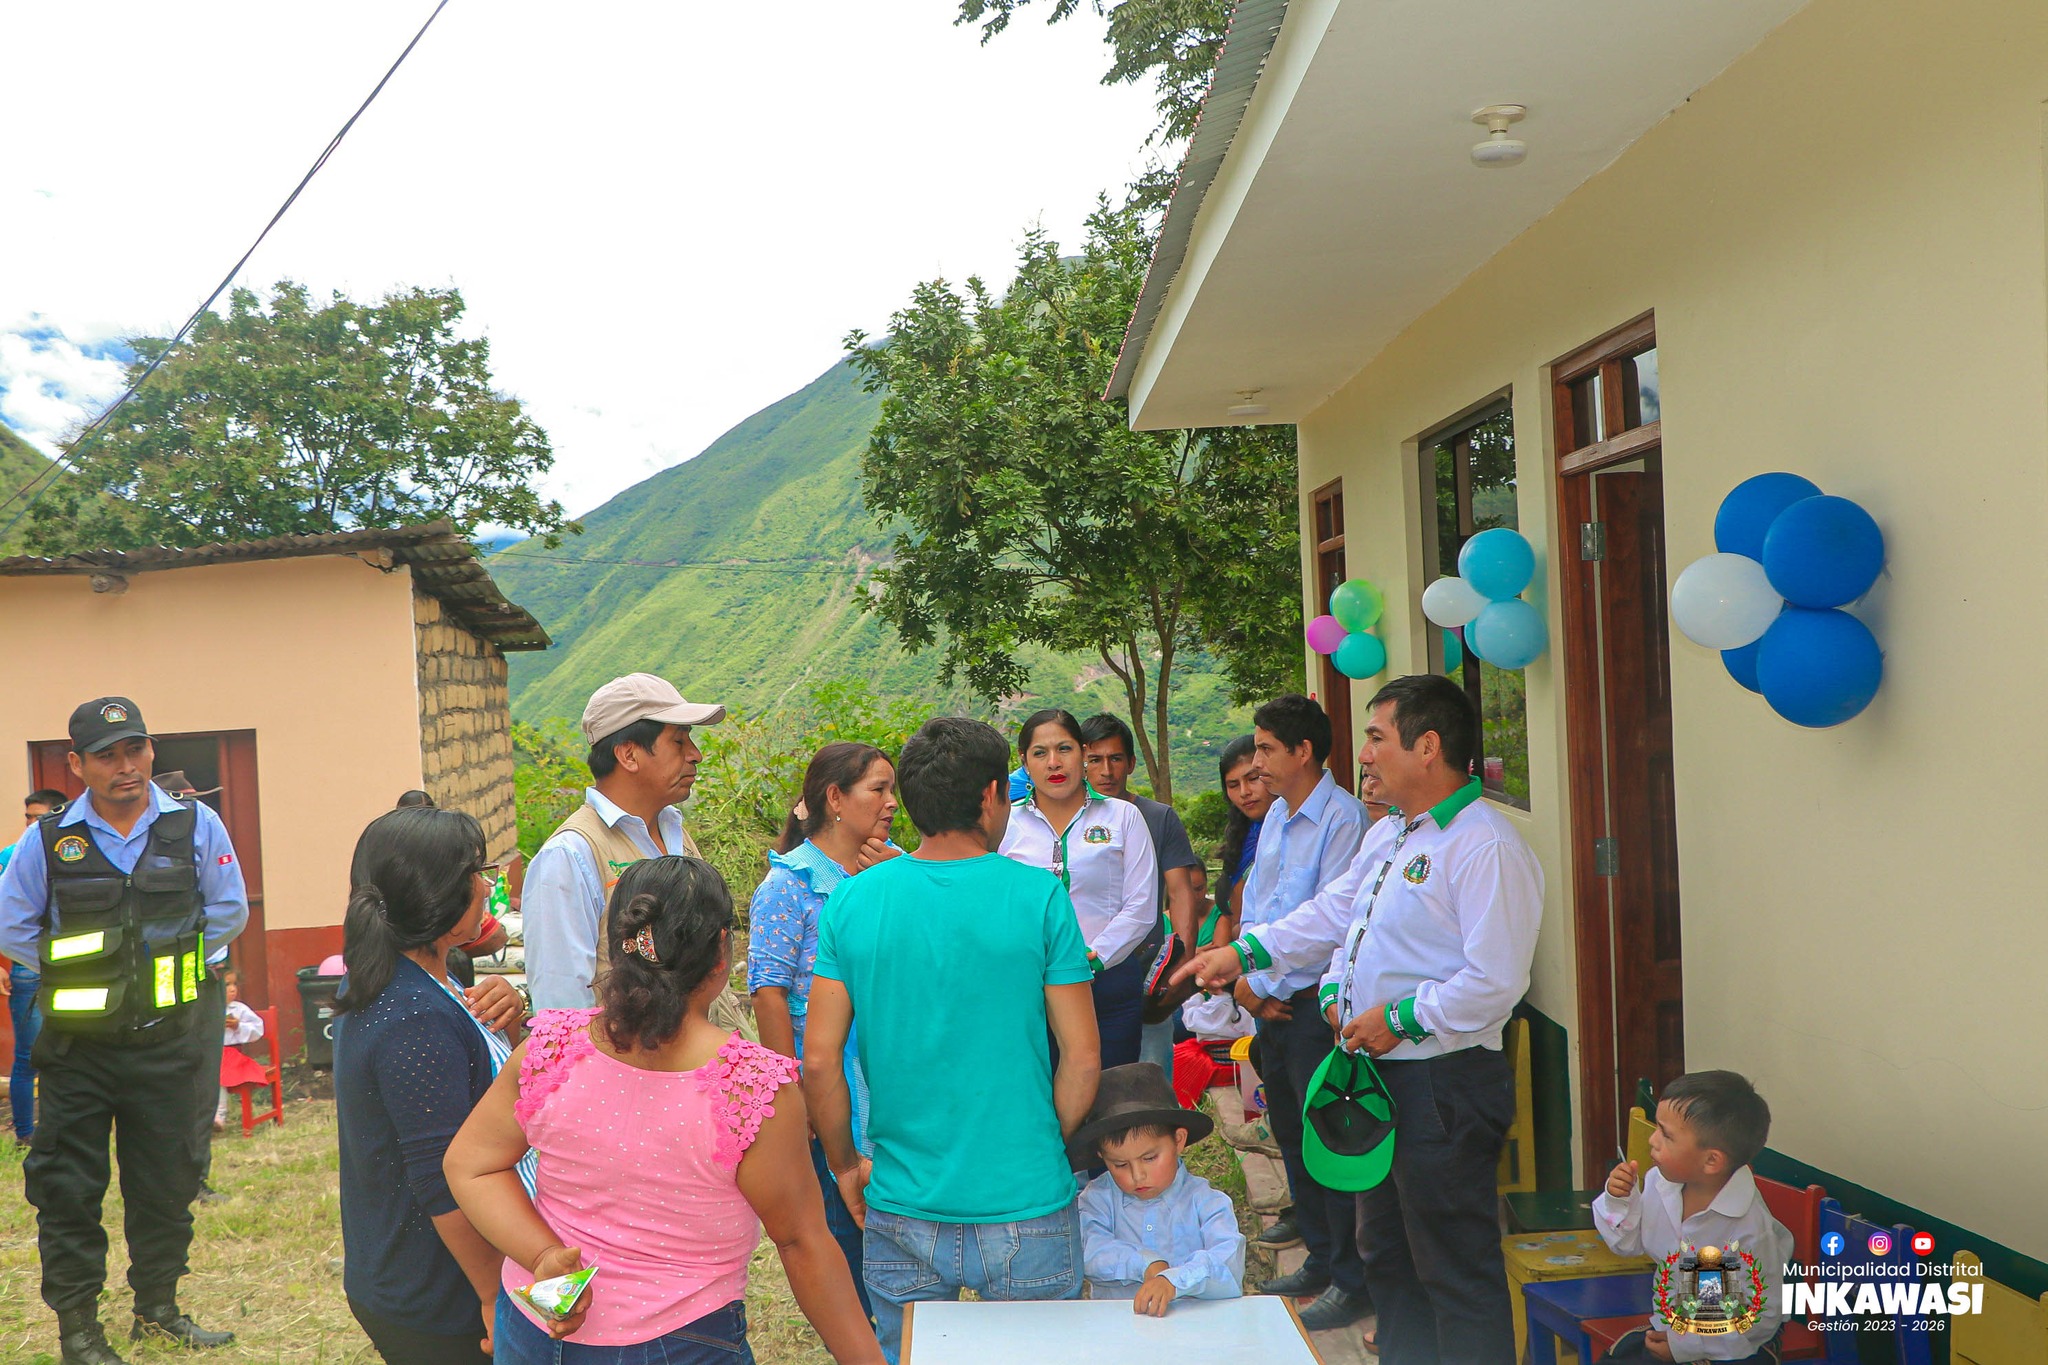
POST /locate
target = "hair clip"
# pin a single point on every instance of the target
(642, 945)
(801, 811)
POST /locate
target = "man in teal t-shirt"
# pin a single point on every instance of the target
(957, 961)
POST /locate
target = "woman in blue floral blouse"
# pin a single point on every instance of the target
(839, 827)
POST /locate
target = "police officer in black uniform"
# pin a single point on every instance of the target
(123, 897)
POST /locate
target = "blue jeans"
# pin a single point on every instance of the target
(717, 1338)
(28, 1022)
(911, 1261)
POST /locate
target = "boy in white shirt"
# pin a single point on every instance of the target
(1702, 1195)
(1152, 1231)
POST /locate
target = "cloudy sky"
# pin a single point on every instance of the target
(664, 215)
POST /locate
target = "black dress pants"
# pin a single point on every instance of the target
(213, 1004)
(1430, 1232)
(141, 1095)
(1290, 1051)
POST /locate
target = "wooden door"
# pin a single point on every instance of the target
(1336, 688)
(1618, 708)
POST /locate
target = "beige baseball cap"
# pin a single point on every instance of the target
(642, 696)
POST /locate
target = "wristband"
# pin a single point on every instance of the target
(1257, 950)
(1392, 1015)
(1328, 996)
(1411, 1026)
(1244, 959)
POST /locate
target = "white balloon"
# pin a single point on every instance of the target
(1724, 601)
(1452, 602)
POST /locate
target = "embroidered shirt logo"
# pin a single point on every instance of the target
(71, 849)
(1417, 871)
(1096, 834)
(113, 713)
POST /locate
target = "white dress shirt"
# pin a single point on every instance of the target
(1191, 1226)
(563, 904)
(1299, 853)
(1452, 925)
(1650, 1223)
(1110, 869)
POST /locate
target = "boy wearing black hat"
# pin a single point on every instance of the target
(1152, 1231)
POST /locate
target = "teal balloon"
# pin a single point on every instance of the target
(1510, 634)
(1470, 632)
(1360, 656)
(1498, 562)
(1454, 652)
(1357, 604)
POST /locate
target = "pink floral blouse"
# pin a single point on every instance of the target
(639, 1170)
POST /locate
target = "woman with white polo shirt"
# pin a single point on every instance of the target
(1101, 850)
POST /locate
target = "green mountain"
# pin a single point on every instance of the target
(19, 462)
(735, 575)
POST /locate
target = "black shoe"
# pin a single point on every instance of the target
(1300, 1285)
(166, 1324)
(85, 1343)
(1281, 1235)
(1335, 1309)
(209, 1195)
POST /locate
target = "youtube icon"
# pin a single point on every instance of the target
(1923, 1244)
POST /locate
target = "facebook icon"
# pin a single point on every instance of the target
(1831, 1245)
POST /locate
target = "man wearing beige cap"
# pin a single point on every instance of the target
(643, 763)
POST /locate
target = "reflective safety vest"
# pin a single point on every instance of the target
(128, 948)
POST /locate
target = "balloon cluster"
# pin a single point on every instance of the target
(1486, 599)
(1355, 608)
(1790, 558)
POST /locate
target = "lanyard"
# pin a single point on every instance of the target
(1358, 934)
(1059, 841)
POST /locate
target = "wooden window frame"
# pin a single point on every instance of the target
(1326, 536)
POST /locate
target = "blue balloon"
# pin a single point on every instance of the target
(1818, 668)
(1823, 552)
(1454, 652)
(1750, 508)
(1511, 634)
(1359, 655)
(1469, 633)
(1499, 563)
(1741, 664)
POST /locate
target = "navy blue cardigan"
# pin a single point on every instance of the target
(408, 1068)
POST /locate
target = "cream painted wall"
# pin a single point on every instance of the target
(315, 655)
(1843, 239)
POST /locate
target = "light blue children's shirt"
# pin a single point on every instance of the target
(1191, 1226)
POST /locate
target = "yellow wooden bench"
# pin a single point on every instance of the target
(2012, 1329)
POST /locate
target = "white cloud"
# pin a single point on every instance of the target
(664, 217)
(49, 382)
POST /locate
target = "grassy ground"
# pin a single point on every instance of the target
(266, 1264)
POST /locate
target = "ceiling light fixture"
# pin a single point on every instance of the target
(1499, 149)
(1248, 404)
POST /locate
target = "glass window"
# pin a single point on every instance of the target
(1641, 378)
(1471, 476)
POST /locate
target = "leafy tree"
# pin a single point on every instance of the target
(548, 777)
(1176, 42)
(298, 420)
(1033, 514)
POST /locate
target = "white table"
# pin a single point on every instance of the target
(1257, 1330)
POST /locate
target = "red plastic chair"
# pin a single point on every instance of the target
(273, 1081)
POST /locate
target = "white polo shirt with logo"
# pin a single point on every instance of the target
(1106, 859)
(1451, 930)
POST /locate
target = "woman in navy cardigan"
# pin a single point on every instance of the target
(412, 1056)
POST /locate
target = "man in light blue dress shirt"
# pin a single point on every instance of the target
(1309, 836)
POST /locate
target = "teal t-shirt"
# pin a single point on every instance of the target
(947, 964)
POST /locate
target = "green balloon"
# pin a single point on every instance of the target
(1357, 604)
(1360, 656)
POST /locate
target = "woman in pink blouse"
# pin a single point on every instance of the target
(665, 1144)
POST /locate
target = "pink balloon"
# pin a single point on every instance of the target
(1324, 634)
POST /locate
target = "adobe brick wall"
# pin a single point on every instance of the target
(465, 723)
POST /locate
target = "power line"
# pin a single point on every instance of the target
(792, 564)
(48, 477)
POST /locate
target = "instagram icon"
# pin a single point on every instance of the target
(1880, 1244)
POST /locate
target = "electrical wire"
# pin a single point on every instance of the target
(48, 477)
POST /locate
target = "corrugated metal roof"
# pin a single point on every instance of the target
(443, 562)
(1254, 25)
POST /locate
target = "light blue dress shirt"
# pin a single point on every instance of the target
(25, 886)
(1300, 853)
(1191, 1226)
(563, 903)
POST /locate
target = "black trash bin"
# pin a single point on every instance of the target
(316, 999)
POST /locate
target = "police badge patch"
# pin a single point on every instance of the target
(1417, 871)
(113, 713)
(70, 849)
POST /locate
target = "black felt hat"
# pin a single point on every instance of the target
(1134, 1096)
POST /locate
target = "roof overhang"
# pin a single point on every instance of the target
(1342, 201)
(443, 562)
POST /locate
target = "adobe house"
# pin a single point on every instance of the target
(311, 679)
(1752, 236)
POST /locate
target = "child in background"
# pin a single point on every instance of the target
(1701, 1193)
(236, 1068)
(1151, 1230)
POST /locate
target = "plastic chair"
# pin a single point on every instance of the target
(273, 1081)
(1517, 1173)
(2012, 1329)
(1799, 1211)
(1909, 1347)
(1562, 1309)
